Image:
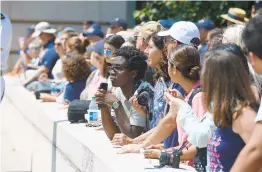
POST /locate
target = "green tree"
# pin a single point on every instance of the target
(186, 10)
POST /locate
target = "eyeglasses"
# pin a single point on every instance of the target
(117, 68)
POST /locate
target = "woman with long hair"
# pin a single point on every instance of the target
(232, 102)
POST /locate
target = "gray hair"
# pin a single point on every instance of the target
(233, 34)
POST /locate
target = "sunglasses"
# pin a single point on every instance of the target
(108, 53)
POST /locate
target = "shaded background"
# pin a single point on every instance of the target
(73, 13)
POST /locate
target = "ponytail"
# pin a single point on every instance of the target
(81, 48)
(78, 44)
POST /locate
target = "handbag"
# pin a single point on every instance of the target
(77, 110)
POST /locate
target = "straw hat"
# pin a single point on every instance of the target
(148, 28)
(236, 15)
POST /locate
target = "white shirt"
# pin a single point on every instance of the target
(57, 70)
(135, 117)
(259, 113)
(199, 132)
(5, 46)
(6, 39)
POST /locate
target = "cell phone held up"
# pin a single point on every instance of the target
(103, 86)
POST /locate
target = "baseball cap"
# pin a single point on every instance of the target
(94, 30)
(97, 47)
(119, 22)
(43, 27)
(31, 29)
(166, 23)
(65, 30)
(182, 31)
(206, 24)
(68, 29)
(96, 26)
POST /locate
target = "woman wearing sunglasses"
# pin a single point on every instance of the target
(102, 51)
(112, 43)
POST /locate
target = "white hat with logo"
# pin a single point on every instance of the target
(182, 31)
(43, 27)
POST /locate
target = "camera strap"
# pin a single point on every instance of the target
(129, 112)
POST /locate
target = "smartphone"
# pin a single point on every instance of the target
(103, 86)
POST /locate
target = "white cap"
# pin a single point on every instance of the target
(43, 27)
(6, 40)
(182, 31)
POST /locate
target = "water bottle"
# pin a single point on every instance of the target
(93, 115)
(53, 89)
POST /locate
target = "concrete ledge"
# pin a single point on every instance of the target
(85, 149)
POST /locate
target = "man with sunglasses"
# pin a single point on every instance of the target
(126, 74)
(6, 39)
(117, 25)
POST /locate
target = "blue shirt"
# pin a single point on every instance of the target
(158, 104)
(73, 90)
(172, 140)
(202, 51)
(50, 57)
(223, 149)
(158, 107)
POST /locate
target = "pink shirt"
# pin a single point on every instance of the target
(92, 84)
(198, 109)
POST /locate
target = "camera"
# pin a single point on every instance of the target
(144, 93)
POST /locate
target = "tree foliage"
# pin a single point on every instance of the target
(186, 10)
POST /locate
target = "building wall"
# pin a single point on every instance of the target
(61, 13)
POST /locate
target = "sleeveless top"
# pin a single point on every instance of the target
(224, 147)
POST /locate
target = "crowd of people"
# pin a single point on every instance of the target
(203, 83)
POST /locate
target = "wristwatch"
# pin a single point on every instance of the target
(116, 105)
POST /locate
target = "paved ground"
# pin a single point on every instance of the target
(16, 138)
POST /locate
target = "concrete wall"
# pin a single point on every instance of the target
(36, 137)
(61, 13)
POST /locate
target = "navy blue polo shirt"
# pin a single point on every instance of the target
(73, 90)
(50, 57)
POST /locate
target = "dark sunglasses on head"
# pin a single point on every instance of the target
(168, 39)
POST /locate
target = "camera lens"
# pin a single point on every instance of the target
(143, 98)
